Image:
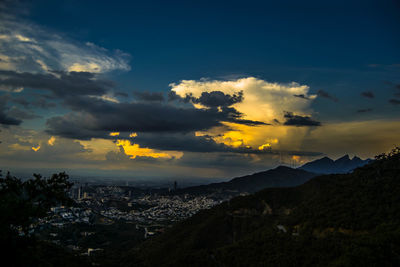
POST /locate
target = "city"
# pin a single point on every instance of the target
(146, 212)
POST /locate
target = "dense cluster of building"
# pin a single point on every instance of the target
(149, 210)
(106, 204)
(170, 208)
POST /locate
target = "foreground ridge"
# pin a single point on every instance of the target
(332, 220)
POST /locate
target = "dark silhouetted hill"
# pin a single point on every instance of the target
(278, 177)
(332, 220)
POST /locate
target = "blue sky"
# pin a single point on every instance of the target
(345, 54)
(331, 45)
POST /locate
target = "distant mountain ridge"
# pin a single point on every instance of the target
(326, 165)
(279, 177)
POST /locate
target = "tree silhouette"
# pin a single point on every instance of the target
(22, 203)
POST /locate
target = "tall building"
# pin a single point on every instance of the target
(175, 185)
(79, 192)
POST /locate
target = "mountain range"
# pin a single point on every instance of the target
(281, 176)
(326, 165)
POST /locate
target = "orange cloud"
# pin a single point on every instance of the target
(51, 141)
(262, 101)
(114, 133)
(134, 150)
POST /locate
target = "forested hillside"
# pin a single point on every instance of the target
(332, 220)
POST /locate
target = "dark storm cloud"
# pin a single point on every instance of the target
(297, 120)
(302, 96)
(364, 110)
(14, 115)
(96, 115)
(324, 94)
(218, 102)
(172, 96)
(21, 101)
(5, 118)
(368, 94)
(217, 99)
(180, 142)
(394, 101)
(21, 114)
(149, 96)
(93, 117)
(232, 115)
(39, 102)
(212, 99)
(61, 84)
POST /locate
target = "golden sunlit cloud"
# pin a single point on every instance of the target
(6, 63)
(108, 98)
(36, 148)
(232, 138)
(99, 148)
(134, 150)
(268, 145)
(114, 134)
(262, 101)
(51, 141)
(87, 67)
(132, 135)
(23, 38)
(265, 146)
(42, 65)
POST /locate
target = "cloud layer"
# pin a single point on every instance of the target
(27, 47)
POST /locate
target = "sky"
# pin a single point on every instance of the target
(195, 89)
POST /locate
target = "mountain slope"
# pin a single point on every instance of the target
(278, 177)
(332, 220)
(326, 165)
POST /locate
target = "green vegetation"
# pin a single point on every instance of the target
(332, 220)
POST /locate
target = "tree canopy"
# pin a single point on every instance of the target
(22, 204)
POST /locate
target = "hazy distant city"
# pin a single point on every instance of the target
(150, 210)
